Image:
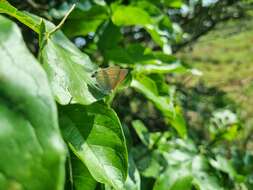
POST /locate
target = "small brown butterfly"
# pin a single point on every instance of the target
(109, 78)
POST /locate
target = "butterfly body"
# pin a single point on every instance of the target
(109, 78)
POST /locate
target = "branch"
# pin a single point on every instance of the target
(215, 16)
(62, 21)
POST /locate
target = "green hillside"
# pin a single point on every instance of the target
(225, 56)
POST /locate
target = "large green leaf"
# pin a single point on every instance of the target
(69, 71)
(32, 150)
(95, 135)
(147, 86)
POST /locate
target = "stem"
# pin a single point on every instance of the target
(62, 21)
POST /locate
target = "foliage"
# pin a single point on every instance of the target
(69, 122)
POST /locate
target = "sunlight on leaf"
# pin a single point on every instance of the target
(95, 135)
(32, 150)
(144, 85)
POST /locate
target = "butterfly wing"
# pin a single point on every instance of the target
(116, 76)
(109, 78)
(103, 80)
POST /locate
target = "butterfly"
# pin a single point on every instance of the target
(109, 78)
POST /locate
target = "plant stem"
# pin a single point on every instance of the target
(62, 21)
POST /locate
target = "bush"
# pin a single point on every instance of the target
(58, 125)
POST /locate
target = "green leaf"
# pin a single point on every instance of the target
(187, 170)
(147, 86)
(139, 57)
(183, 154)
(173, 3)
(206, 181)
(69, 71)
(160, 68)
(142, 59)
(109, 38)
(162, 86)
(82, 178)
(159, 140)
(135, 16)
(149, 7)
(152, 164)
(174, 178)
(141, 131)
(168, 3)
(25, 18)
(95, 135)
(203, 178)
(32, 150)
(222, 164)
(149, 161)
(83, 21)
(133, 54)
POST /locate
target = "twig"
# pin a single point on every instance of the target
(204, 31)
(62, 21)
